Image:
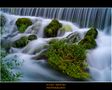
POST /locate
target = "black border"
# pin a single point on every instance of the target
(68, 86)
(55, 3)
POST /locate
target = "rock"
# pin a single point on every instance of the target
(92, 32)
(23, 24)
(20, 43)
(67, 58)
(32, 37)
(88, 42)
(2, 20)
(65, 28)
(52, 29)
(73, 37)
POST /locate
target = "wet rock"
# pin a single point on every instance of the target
(52, 29)
(20, 43)
(32, 37)
(23, 24)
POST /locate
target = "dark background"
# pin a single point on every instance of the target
(56, 3)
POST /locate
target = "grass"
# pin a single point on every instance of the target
(68, 58)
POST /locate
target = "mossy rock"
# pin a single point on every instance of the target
(88, 42)
(23, 24)
(67, 58)
(52, 29)
(92, 32)
(2, 20)
(20, 43)
(32, 37)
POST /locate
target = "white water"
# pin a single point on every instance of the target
(99, 59)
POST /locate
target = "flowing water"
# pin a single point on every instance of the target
(99, 59)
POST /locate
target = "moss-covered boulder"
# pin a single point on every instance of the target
(32, 37)
(20, 43)
(89, 40)
(2, 20)
(67, 58)
(23, 23)
(92, 32)
(52, 29)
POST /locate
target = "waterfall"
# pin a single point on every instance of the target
(99, 59)
(84, 17)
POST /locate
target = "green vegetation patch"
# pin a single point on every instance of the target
(23, 23)
(68, 58)
(52, 29)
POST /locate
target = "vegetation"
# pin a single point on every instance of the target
(89, 40)
(7, 73)
(23, 23)
(23, 41)
(32, 37)
(67, 58)
(92, 32)
(52, 29)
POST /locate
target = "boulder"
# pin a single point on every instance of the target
(32, 37)
(92, 32)
(20, 43)
(23, 24)
(51, 30)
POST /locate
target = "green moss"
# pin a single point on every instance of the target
(67, 58)
(89, 40)
(32, 37)
(6, 72)
(23, 23)
(92, 32)
(52, 29)
(23, 41)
